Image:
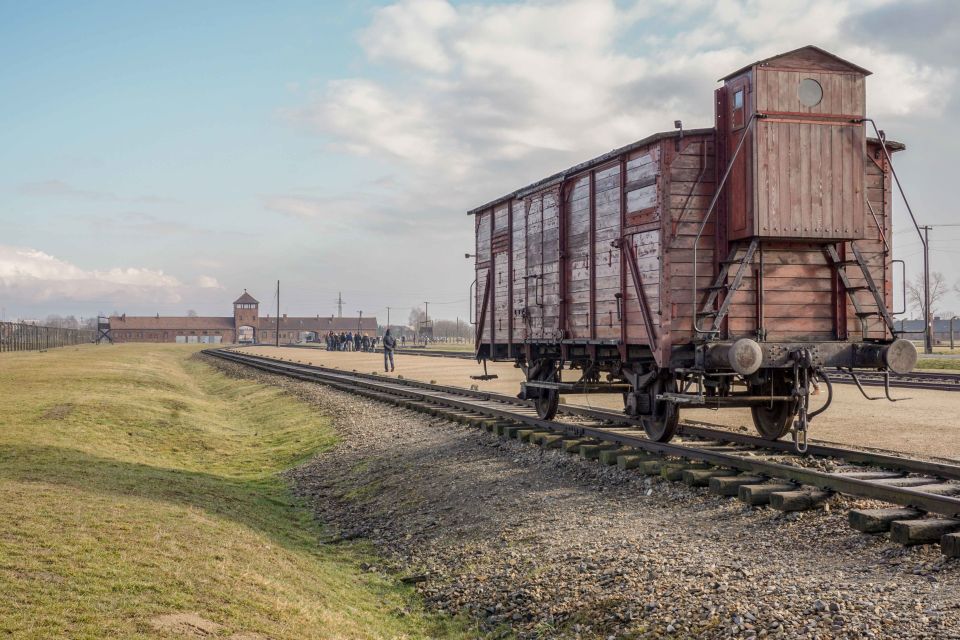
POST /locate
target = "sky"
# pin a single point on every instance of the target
(163, 157)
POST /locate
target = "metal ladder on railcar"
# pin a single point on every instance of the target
(720, 284)
(840, 267)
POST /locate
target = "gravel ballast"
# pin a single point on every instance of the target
(539, 543)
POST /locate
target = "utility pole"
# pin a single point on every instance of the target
(360, 321)
(339, 305)
(388, 318)
(927, 337)
(426, 319)
(278, 313)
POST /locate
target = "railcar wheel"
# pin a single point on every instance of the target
(548, 400)
(547, 404)
(661, 424)
(773, 421)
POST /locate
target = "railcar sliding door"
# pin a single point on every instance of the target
(484, 309)
(577, 259)
(606, 257)
(519, 306)
(542, 287)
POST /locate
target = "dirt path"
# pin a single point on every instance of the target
(543, 544)
(927, 424)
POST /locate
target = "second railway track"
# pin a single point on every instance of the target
(931, 380)
(926, 494)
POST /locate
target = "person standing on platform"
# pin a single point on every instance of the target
(389, 344)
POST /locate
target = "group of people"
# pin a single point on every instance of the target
(350, 341)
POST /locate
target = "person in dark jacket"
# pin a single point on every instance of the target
(389, 344)
(365, 343)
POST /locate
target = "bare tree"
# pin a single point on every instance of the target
(417, 315)
(191, 313)
(452, 329)
(938, 290)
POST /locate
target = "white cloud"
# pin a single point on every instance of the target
(479, 98)
(465, 102)
(32, 276)
(208, 282)
(409, 33)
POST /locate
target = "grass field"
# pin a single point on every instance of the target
(140, 498)
(938, 363)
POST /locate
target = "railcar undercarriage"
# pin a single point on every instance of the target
(775, 380)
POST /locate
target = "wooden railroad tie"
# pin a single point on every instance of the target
(632, 461)
(950, 545)
(798, 500)
(592, 451)
(701, 477)
(923, 531)
(757, 494)
(878, 520)
(611, 456)
(674, 471)
(730, 485)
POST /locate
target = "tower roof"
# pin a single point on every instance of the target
(802, 58)
(246, 298)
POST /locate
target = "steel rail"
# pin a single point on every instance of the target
(625, 435)
(698, 429)
(915, 380)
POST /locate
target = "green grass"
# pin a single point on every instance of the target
(938, 363)
(137, 482)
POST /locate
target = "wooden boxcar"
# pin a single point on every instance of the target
(637, 273)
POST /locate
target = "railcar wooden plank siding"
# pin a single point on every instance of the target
(649, 262)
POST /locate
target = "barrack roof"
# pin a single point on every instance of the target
(168, 323)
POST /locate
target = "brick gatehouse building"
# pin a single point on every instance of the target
(245, 326)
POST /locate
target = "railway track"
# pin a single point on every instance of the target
(926, 494)
(934, 381)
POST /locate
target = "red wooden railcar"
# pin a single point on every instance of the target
(640, 275)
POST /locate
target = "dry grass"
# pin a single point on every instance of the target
(949, 364)
(136, 482)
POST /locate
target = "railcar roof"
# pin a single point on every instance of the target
(892, 146)
(610, 155)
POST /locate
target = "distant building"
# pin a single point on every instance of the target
(913, 329)
(245, 326)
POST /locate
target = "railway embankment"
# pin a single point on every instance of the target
(140, 497)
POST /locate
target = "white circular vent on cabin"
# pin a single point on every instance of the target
(810, 92)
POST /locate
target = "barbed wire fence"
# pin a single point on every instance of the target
(23, 336)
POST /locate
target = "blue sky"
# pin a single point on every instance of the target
(159, 157)
(155, 129)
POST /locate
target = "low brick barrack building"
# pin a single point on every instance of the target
(245, 326)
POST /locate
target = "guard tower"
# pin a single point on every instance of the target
(246, 313)
(800, 174)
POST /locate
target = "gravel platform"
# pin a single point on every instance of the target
(541, 544)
